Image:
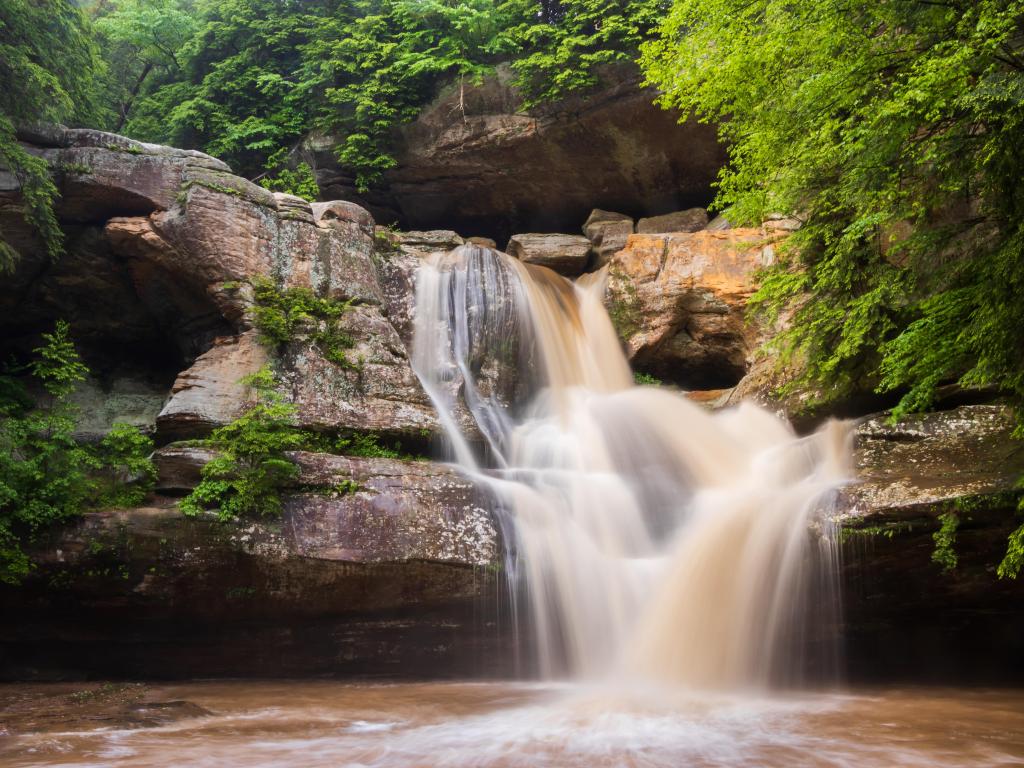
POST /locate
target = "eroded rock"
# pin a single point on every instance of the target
(904, 617)
(475, 160)
(678, 301)
(608, 233)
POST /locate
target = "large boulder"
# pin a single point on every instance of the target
(474, 159)
(565, 254)
(678, 301)
(904, 616)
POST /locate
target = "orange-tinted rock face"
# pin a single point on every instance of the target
(679, 302)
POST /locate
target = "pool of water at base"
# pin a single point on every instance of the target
(312, 724)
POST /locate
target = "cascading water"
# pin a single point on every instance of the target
(651, 539)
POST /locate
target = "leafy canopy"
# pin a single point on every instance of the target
(47, 64)
(247, 80)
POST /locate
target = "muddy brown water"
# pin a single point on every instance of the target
(312, 724)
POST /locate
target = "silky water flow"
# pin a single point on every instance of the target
(648, 540)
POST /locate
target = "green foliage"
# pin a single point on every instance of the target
(945, 539)
(46, 477)
(142, 42)
(1013, 560)
(363, 444)
(645, 379)
(562, 46)
(126, 474)
(893, 131)
(246, 79)
(283, 315)
(301, 182)
(252, 470)
(47, 64)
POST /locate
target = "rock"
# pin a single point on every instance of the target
(179, 467)
(484, 242)
(690, 220)
(777, 222)
(342, 210)
(903, 617)
(210, 393)
(377, 392)
(495, 168)
(336, 586)
(718, 223)
(565, 254)
(429, 242)
(128, 399)
(678, 301)
(608, 233)
(160, 268)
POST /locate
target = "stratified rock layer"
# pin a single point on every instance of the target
(565, 254)
(904, 617)
(163, 246)
(388, 578)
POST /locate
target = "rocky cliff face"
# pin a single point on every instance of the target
(402, 576)
(476, 162)
(162, 246)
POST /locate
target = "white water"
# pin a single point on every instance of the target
(650, 539)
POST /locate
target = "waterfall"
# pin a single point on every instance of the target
(649, 539)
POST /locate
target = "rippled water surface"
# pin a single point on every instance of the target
(499, 724)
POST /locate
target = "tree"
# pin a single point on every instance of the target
(143, 42)
(47, 64)
(893, 131)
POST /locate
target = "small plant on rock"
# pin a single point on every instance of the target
(282, 315)
(252, 470)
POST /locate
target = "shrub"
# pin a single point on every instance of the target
(46, 476)
(249, 475)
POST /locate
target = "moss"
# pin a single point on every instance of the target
(625, 308)
(78, 168)
(131, 149)
(885, 530)
(645, 379)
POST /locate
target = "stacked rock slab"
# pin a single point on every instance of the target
(567, 255)
(690, 220)
(162, 248)
(608, 233)
(186, 238)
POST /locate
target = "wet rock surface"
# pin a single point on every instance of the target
(391, 576)
(567, 255)
(904, 617)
